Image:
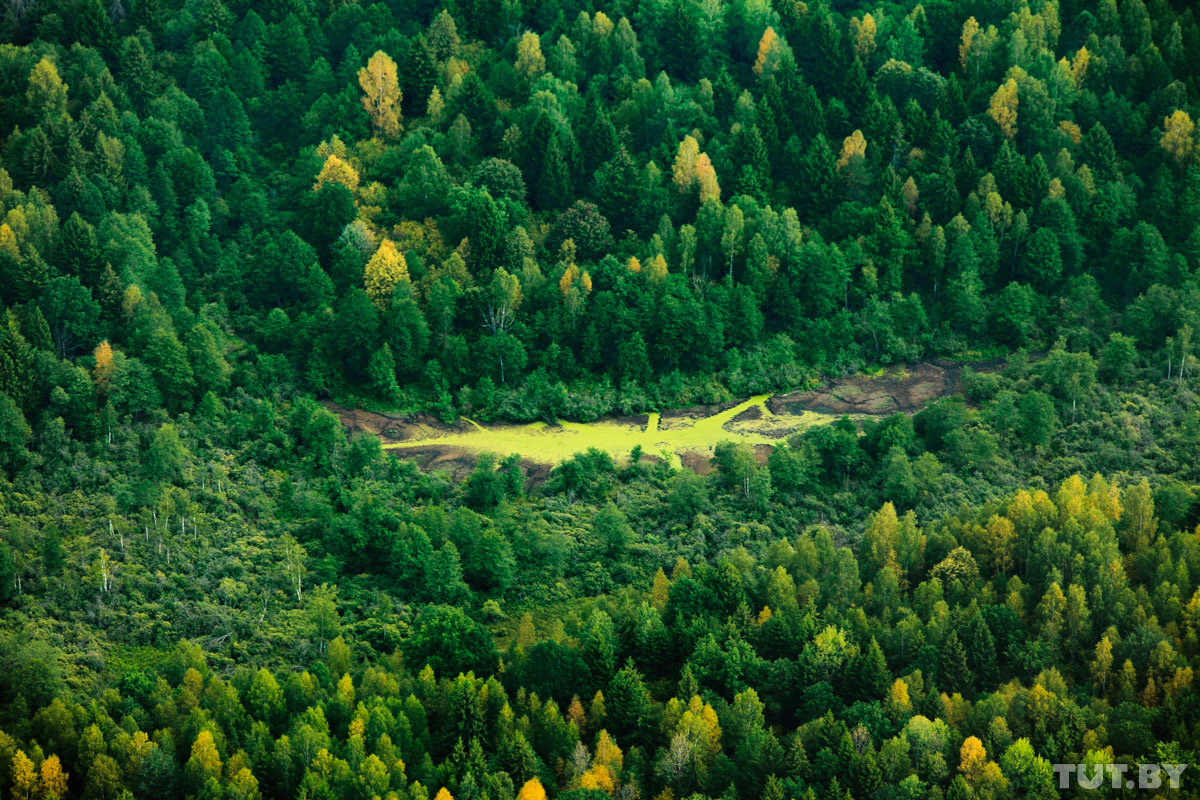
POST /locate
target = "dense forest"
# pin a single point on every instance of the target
(217, 215)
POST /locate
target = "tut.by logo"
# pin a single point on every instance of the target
(1091, 776)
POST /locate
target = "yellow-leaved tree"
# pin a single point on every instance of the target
(337, 170)
(24, 777)
(683, 171)
(1003, 108)
(854, 147)
(532, 790)
(381, 93)
(969, 32)
(659, 590)
(771, 52)
(103, 370)
(530, 61)
(707, 177)
(1179, 137)
(53, 779)
(205, 761)
(47, 94)
(1079, 66)
(981, 774)
(863, 33)
(656, 272)
(972, 758)
(385, 269)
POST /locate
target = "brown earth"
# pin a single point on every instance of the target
(700, 463)
(751, 413)
(674, 417)
(901, 389)
(391, 428)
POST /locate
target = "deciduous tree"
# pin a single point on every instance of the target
(381, 92)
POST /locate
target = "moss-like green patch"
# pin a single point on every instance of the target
(552, 444)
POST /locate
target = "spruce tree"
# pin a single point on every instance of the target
(873, 678)
(953, 672)
(420, 75)
(818, 178)
(554, 189)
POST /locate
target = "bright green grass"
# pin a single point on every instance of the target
(547, 444)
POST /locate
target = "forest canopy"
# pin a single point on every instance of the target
(218, 217)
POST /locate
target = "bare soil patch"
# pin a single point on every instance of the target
(751, 413)
(904, 389)
(392, 428)
(675, 416)
(696, 462)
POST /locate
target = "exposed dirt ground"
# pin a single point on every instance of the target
(901, 389)
(906, 389)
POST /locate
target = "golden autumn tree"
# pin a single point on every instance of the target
(337, 170)
(8, 241)
(852, 163)
(53, 779)
(976, 46)
(862, 32)
(381, 93)
(969, 32)
(385, 269)
(608, 753)
(656, 272)
(575, 285)
(569, 277)
(1003, 108)
(852, 146)
(770, 53)
(532, 790)
(659, 590)
(1079, 66)
(597, 778)
(24, 777)
(103, 371)
(683, 171)
(1071, 131)
(1179, 137)
(530, 61)
(633, 265)
(205, 761)
(972, 759)
(898, 704)
(576, 714)
(443, 794)
(606, 766)
(981, 774)
(706, 176)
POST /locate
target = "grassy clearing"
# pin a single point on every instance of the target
(552, 444)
